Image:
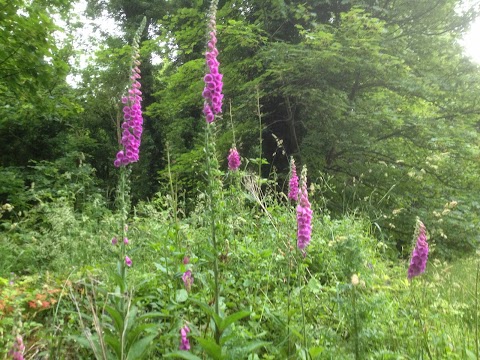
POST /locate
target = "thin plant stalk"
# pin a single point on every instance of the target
(231, 123)
(289, 300)
(302, 307)
(355, 323)
(212, 213)
(260, 140)
(123, 205)
(424, 335)
(476, 309)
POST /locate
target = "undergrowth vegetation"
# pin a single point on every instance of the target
(55, 260)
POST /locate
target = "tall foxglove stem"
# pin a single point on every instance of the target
(213, 96)
(212, 166)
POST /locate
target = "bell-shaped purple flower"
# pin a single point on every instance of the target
(418, 262)
(18, 348)
(187, 278)
(212, 93)
(128, 261)
(132, 125)
(304, 215)
(184, 343)
(233, 159)
(293, 182)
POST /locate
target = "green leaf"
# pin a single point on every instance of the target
(136, 331)
(253, 345)
(160, 267)
(315, 351)
(181, 295)
(232, 318)
(152, 315)
(210, 347)
(114, 343)
(470, 354)
(138, 349)
(182, 354)
(209, 311)
(132, 317)
(116, 317)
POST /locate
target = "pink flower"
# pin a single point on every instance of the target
(18, 348)
(293, 183)
(304, 216)
(186, 260)
(128, 261)
(233, 159)
(185, 344)
(212, 93)
(418, 262)
(132, 121)
(187, 279)
(114, 241)
(125, 240)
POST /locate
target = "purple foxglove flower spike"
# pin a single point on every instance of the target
(187, 279)
(212, 93)
(233, 159)
(132, 125)
(304, 215)
(184, 344)
(293, 183)
(418, 262)
(17, 349)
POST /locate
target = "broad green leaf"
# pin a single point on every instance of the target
(135, 332)
(181, 295)
(114, 342)
(315, 351)
(253, 345)
(116, 317)
(210, 347)
(139, 348)
(183, 355)
(226, 322)
(131, 318)
(209, 311)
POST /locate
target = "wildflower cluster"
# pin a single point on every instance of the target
(304, 215)
(132, 125)
(293, 183)
(212, 93)
(233, 159)
(418, 262)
